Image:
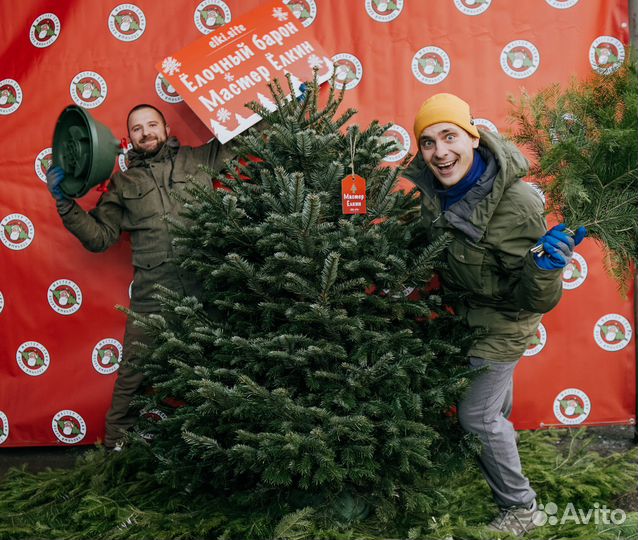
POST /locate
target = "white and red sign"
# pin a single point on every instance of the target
(221, 72)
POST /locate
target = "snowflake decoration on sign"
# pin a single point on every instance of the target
(280, 14)
(223, 115)
(170, 65)
(314, 61)
(229, 77)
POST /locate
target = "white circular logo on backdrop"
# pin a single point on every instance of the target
(606, 55)
(520, 59)
(68, 426)
(106, 356)
(121, 158)
(4, 427)
(304, 10)
(65, 297)
(88, 89)
(572, 406)
(538, 341)
(384, 10)
(44, 30)
(42, 163)
(431, 65)
(348, 69)
(17, 231)
(1, 302)
(10, 96)
(400, 136)
(562, 4)
(210, 15)
(166, 91)
(33, 358)
(472, 7)
(612, 332)
(127, 22)
(488, 125)
(575, 273)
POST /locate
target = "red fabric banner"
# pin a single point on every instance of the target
(60, 334)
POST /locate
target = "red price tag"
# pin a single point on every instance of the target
(353, 194)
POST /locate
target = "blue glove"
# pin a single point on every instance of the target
(558, 247)
(303, 88)
(55, 175)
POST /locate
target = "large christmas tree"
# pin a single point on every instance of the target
(307, 374)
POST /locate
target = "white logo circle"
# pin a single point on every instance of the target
(121, 158)
(88, 89)
(488, 125)
(10, 96)
(400, 136)
(562, 4)
(572, 406)
(44, 30)
(33, 358)
(472, 7)
(127, 22)
(606, 55)
(304, 10)
(575, 273)
(4, 427)
(520, 59)
(349, 71)
(65, 297)
(1, 302)
(17, 231)
(383, 10)
(166, 91)
(431, 65)
(42, 163)
(68, 426)
(612, 332)
(538, 341)
(210, 15)
(106, 356)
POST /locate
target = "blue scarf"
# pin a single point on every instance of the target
(454, 194)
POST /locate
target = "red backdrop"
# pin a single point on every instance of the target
(59, 332)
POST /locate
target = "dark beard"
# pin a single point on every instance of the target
(145, 155)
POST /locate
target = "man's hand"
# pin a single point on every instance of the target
(558, 247)
(55, 175)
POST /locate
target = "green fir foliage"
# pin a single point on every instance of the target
(307, 374)
(583, 140)
(117, 497)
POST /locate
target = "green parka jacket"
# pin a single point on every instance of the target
(500, 286)
(138, 201)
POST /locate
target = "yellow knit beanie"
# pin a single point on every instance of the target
(444, 108)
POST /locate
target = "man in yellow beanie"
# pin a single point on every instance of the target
(471, 188)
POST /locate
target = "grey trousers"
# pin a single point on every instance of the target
(483, 410)
(120, 417)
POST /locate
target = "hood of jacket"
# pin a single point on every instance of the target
(471, 215)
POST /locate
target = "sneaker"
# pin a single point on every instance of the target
(515, 520)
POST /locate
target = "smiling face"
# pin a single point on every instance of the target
(147, 131)
(448, 150)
